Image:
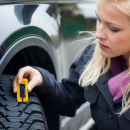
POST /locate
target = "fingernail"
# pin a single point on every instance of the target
(29, 88)
(14, 89)
(19, 81)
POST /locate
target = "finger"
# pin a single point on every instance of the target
(24, 71)
(14, 85)
(31, 85)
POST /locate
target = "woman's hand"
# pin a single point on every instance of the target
(33, 75)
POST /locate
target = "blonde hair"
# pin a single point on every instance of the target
(98, 65)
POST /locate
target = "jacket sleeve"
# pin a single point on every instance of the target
(61, 98)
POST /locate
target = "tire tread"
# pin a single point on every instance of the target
(22, 116)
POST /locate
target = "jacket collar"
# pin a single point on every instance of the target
(102, 85)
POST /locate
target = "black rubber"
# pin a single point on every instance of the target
(19, 116)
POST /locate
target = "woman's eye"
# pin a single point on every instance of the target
(114, 30)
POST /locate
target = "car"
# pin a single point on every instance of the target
(41, 33)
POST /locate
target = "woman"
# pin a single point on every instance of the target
(105, 65)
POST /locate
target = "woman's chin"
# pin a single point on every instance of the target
(105, 55)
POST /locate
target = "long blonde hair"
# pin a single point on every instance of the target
(98, 65)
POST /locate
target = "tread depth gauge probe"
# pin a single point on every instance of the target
(22, 92)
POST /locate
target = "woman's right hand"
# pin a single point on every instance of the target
(34, 77)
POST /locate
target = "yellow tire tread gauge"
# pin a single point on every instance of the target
(22, 92)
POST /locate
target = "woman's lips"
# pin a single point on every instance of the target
(102, 46)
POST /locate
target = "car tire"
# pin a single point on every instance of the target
(21, 116)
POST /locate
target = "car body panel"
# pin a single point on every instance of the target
(38, 25)
(45, 22)
(41, 1)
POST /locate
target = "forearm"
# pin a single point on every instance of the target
(61, 98)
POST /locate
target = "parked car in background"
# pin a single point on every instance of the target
(41, 33)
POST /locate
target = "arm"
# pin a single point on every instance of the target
(66, 97)
(61, 98)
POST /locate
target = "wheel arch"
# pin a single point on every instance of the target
(28, 41)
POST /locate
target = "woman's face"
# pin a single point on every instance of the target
(112, 31)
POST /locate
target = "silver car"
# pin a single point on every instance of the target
(41, 33)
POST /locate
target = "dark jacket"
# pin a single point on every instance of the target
(66, 97)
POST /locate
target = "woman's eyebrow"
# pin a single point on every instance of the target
(107, 21)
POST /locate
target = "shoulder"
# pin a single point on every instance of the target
(85, 56)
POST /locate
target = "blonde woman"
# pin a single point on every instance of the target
(100, 75)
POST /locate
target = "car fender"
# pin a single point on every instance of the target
(21, 44)
(40, 26)
(38, 16)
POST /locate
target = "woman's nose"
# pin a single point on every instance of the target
(100, 32)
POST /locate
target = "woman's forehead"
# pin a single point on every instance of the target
(123, 5)
(107, 11)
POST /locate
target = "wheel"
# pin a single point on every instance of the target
(19, 116)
